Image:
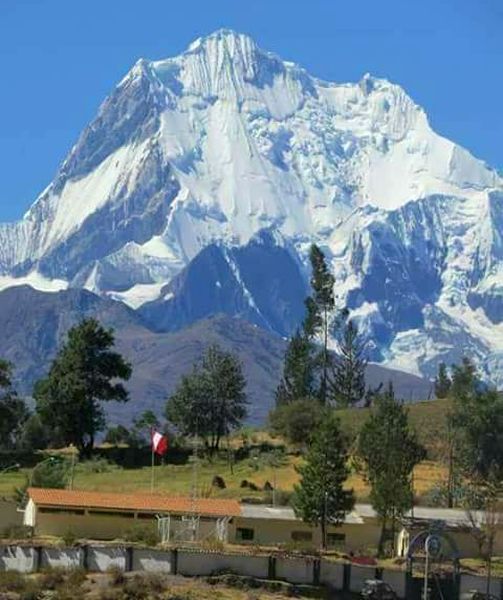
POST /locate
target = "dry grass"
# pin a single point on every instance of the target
(428, 418)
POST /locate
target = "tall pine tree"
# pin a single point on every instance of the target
(320, 497)
(320, 307)
(442, 382)
(85, 373)
(297, 382)
(389, 451)
(347, 384)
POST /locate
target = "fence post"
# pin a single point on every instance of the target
(129, 559)
(85, 557)
(271, 568)
(316, 571)
(346, 577)
(38, 558)
(174, 561)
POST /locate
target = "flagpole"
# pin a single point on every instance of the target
(153, 462)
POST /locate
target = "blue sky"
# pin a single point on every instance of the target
(59, 59)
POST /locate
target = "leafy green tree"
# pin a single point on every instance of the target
(36, 436)
(297, 420)
(121, 435)
(297, 382)
(347, 384)
(320, 497)
(320, 307)
(53, 473)
(442, 382)
(85, 373)
(388, 450)
(13, 411)
(211, 401)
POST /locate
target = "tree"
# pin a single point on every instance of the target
(297, 382)
(297, 420)
(389, 451)
(211, 401)
(85, 373)
(13, 411)
(319, 310)
(53, 472)
(320, 498)
(347, 385)
(486, 522)
(442, 382)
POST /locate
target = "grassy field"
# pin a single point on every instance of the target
(428, 418)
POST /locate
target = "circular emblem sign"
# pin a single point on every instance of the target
(433, 545)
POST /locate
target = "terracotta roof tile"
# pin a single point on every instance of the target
(136, 502)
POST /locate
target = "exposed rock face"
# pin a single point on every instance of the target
(220, 166)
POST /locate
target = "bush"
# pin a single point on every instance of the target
(296, 421)
(116, 575)
(12, 581)
(52, 578)
(213, 544)
(17, 532)
(218, 482)
(96, 464)
(145, 534)
(69, 538)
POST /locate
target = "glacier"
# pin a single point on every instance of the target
(228, 162)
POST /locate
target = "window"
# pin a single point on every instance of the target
(302, 536)
(65, 511)
(106, 513)
(244, 534)
(336, 539)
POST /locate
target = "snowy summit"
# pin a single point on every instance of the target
(205, 177)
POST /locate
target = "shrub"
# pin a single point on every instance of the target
(213, 544)
(116, 575)
(52, 578)
(17, 532)
(69, 538)
(218, 482)
(12, 581)
(144, 534)
(297, 420)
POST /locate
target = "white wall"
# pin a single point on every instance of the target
(295, 570)
(102, 558)
(470, 582)
(146, 559)
(359, 575)
(18, 558)
(332, 574)
(67, 558)
(396, 579)
(200, 563)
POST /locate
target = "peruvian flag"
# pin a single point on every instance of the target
(159, 443)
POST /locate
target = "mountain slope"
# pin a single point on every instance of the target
(211, 150)
(35, 323)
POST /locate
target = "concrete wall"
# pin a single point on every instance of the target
(199, 563)
(295, 570)
(154, 561)
(9, 516)
(396, 580)
(332, 574)
(18, 558)
(66, 558)
(359, 575)
(470, 582)
(103, 558)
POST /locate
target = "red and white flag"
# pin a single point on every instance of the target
(159, 443)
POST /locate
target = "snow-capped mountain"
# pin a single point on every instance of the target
(228, 162)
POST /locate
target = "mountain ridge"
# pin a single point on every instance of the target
(227, 142)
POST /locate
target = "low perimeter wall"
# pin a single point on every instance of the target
(193, 563)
